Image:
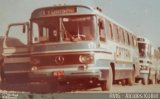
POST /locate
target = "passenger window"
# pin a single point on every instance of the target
(109, 33)
(128, 38)
(115, 33)
(135, 40)
(125, 36)
(16, 37)
(121, 34)
(131, 39)
(118, 35)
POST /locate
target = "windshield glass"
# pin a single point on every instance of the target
(144, 50)
(78, 28)
(71, 28)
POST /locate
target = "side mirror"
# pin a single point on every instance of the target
(101, 24)
(24, 29)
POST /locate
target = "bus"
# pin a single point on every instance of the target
(75, 44)
(147, 60)
(157, 59)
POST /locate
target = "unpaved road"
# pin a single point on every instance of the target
(45, 91)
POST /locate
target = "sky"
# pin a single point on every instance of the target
(140, 16)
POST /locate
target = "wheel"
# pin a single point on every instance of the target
(124, 82)
(131, 79)
(153, 81)
(158, 81)
(2, 78)
(107, 84)
(145, 81)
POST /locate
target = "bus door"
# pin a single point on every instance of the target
(16, 51)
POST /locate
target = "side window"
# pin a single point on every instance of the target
(126, 37)
(135, 40)
(111, 31)
(108, 30)
(115, 32)
(131, 39)
(121, 35)
(16, 37)
(35, 34)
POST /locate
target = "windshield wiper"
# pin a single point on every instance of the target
(66, 35)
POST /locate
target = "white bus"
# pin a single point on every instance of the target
(74, 43)
(147, 60)
(157, 56)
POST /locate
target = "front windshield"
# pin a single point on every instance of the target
(144, 50)
(66, 29)
(78, 28)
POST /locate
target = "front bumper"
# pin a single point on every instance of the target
(63, 73)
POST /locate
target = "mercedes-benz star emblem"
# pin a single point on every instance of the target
(59, 59)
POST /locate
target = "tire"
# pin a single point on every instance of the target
(145, 81)
(158, 81)
(107, 84)
(2, 78)
(153, 81)
(131, 79)
(124, 82)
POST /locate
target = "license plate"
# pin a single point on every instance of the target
(58, 73)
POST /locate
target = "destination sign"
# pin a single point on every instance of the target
(53, 11)
(59, 11)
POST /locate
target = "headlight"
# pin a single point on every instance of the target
(144, 68)
(34, 68)
(86, 59)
